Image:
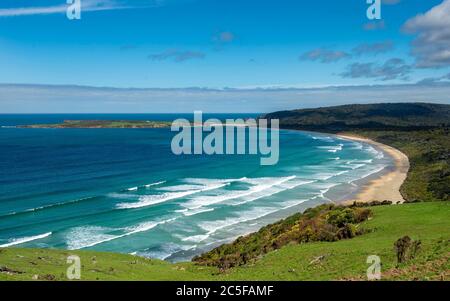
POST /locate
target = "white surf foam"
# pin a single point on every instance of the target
(356, 166)
(89, 236)
(208, 182)
(373, 171)
(197, 211)
(323, 189)
(196, 238)
(213, 226)
(149, 200)
(293, 203)
(323, 176)
(181, 210)
(296, 183)
(272, 191)
(372, 150)
(123, 196)
(183, 187)
(357, 145)
(260, 184)
(332, 149)
(363, 161)
(18, 241)
(154, 184)
(135, 188)
(323, 138)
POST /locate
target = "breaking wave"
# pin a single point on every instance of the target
(18, 241)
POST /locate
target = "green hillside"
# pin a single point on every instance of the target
(343, 259)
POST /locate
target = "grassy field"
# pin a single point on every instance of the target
(344, 259)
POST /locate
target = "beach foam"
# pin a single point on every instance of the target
(323, 138)
(260, 184)
(378, 154)
(149, 200)
(89, 236)
(256, 213)
(332, 149)
(18, 241)
(288, 185)
(154, 184)
(197, 211)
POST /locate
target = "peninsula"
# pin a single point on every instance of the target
(98, 124)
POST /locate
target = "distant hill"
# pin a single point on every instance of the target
(385, 116)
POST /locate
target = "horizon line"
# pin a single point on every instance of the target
(225, 88)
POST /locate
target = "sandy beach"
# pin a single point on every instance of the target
(387, 186)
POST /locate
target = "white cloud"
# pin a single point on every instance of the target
(75, 99)
(324, 55)
(394, 68)
(373, 48)
(177, 55)
(86, 5)
(432, 44)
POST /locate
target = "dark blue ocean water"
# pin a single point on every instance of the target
(123, 190)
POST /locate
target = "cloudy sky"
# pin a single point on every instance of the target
(182, 55)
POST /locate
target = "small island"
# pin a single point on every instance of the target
(102, 124)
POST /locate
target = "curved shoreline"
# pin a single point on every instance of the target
(382, 185)
(387, 185)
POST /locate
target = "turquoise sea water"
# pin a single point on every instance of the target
(122, 190)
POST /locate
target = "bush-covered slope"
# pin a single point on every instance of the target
(322, 223)
(386, 116)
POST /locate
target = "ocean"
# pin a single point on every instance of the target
(122, 190)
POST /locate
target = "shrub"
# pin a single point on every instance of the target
(406, 248)
(321, 223)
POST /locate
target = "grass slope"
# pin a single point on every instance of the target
(344, 259)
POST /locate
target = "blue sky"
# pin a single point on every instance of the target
(214, 44)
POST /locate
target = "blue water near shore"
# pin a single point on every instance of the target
(122, 190)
